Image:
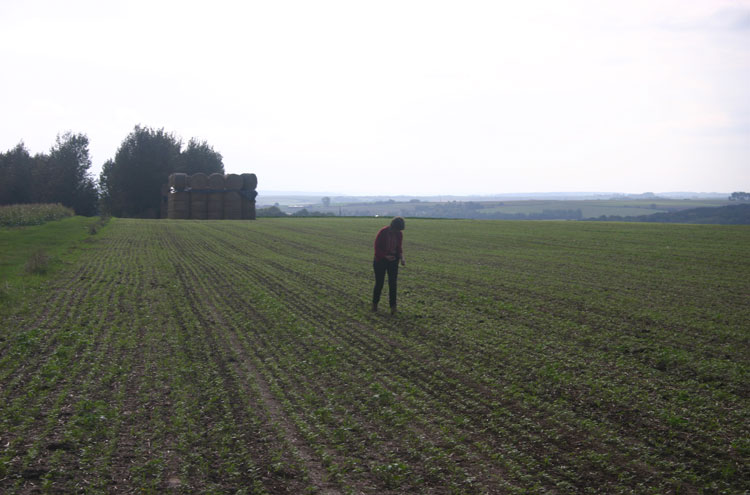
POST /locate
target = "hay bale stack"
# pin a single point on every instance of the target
(232, 198)
(216, 182)
(249, 182)
(248, 209)
(178, 181)
(198, 196)
(179, 205)
(198, 205)
(212, 197)
(215, 202)
(232, 205)
(233, 182)
(215, 206)
(198, 181)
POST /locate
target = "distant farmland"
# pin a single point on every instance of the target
(240, 357)
(569, 209)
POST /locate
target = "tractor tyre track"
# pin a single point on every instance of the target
(203, 305)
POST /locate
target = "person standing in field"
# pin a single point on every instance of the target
(388, 254)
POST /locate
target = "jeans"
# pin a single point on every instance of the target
(381, 267)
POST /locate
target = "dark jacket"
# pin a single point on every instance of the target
(388, 242)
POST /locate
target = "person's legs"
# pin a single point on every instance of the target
(379, 267)
(392, 282)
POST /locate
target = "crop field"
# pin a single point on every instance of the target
(32, 214)
(596, 208)
(242, 357)
(588, 208)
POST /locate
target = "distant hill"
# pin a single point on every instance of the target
(269, 197)
(722, 215)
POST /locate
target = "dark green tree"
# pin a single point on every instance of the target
(15, 175)
(199, 156)
(131, 182)
(271, 211)
(63, 175)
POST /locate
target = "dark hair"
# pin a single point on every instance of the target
(398, 223)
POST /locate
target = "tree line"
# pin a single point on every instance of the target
(129, 184)
(720, 215)
(60, 176)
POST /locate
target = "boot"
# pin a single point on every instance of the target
(393, 310)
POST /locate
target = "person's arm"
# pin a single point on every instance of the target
(401, 249)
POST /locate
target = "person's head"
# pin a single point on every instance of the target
(398, 223)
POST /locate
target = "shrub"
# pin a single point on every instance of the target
(271, 211)
(38, 263)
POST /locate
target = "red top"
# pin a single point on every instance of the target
(388, 242)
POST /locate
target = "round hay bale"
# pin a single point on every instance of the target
(249, 181)
(178, 181)
(248, 209)
(198, 205)
(179, 205)
(215, 206)
(232, 205)
(233, 182)
(198, 181)
(216, 182)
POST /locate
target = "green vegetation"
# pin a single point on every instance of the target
(62, 176)
(723, 215)
(32, 214)
(38, 263)
(241, 357)
(27, 253)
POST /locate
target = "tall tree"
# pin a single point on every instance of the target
(65, 177)
(15, 175)
(199, 156)
(131, 182)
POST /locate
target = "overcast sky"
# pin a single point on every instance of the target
(402, 97)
